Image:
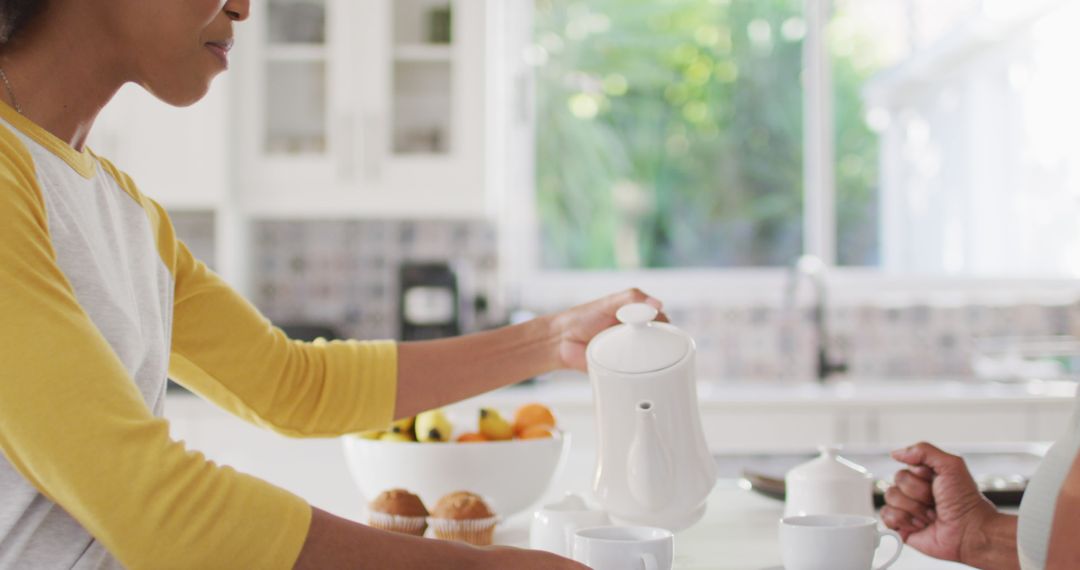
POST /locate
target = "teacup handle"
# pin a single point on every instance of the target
(650, 561)
(899, 546)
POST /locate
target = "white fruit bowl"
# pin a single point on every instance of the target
(513, 475)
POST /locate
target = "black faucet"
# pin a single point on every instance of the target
(813, 269)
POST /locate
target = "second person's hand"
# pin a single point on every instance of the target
(936, 505)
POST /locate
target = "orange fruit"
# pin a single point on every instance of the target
(532, 415)
(535, 432)
(471, 437)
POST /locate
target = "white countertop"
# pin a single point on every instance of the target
(738, 532)
(739, 529)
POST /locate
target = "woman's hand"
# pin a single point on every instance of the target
(575, 327)
(434, 373)
(937, 508)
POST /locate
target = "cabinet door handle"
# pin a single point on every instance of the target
(373, 139)
(347, 153)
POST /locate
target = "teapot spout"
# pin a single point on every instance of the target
(649, 469)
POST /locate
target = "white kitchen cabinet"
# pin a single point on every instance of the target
(771, 427)
(1051, 424)
(953, 424)
(178, 156)
(783, 427)
(362, 108)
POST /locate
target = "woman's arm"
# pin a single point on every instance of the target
(437, 372)
(228, 353)
(1064, 549)
(334, 542)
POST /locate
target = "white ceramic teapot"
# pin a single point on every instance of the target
(653, 467)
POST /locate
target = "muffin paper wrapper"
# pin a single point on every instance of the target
(463, 524)
(397, 522)
(474, 531)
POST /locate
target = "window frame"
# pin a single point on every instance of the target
(527, 284)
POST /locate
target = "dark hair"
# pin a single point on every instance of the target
(15, 14)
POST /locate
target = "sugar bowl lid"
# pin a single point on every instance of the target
(639, 344)
(828, 466)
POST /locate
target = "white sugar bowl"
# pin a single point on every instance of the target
(553, 526)
(829, 485)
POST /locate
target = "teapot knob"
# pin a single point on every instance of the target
(830, 450)
(636, 314)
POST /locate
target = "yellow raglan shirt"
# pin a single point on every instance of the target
(98, 302)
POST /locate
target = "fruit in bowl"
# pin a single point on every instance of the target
(512, 473)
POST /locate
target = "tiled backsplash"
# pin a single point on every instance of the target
(344, 273)
(874, 342)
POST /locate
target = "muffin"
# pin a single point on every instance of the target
(464, 517)
(400, 511)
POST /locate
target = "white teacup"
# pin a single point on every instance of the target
(833, 542)
(553, 525)
(624, 548)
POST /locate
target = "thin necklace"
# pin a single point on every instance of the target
(10, 92)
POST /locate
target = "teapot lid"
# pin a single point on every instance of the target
(639, 344)
(829, 466)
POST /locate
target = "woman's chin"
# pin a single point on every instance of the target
(181, 95)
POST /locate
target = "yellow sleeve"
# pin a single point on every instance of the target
(74, 425)
(224, 350)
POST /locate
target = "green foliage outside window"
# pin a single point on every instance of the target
(669, 134)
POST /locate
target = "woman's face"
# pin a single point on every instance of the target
(176, 46)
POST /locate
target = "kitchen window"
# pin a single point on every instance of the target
(907, 143)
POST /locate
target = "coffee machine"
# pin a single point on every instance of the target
(428, 301)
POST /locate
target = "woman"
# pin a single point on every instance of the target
(99, 301)
(937, 508)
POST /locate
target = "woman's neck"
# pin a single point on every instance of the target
(61, 74)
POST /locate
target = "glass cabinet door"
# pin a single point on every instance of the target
(372, 106)
(422, 77)
(296, 78)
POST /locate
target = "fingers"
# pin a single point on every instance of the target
(925, 454)
(635, 295)
(901, 521)
(920, 512)
(922, 472)
(913, 486)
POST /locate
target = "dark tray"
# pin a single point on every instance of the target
(1002, 471)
